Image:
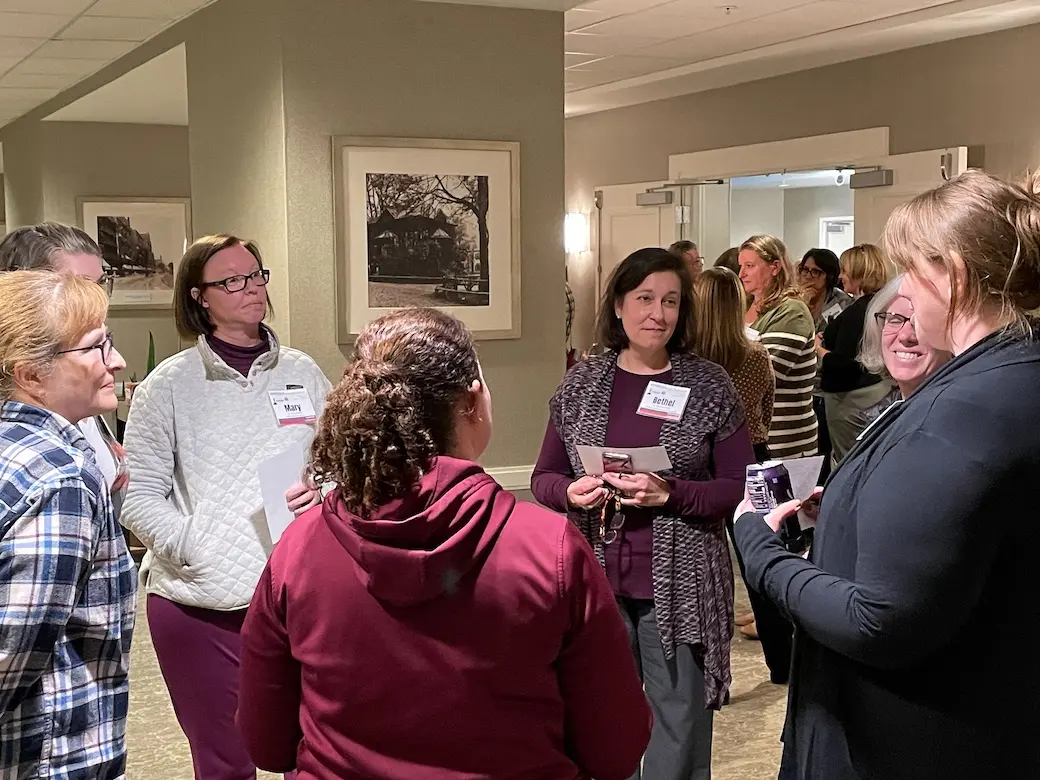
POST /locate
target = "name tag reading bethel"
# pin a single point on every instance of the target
(666, 402)
(292, 407)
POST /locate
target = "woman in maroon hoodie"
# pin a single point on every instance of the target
(422, 624)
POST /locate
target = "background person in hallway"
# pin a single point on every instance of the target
(785, 328)
(56, 247)
(199, 425)
(721, 337)
(665, 550)
(688, 252)
(891, 349)
(422, 622)
(910, 659)
(67, 582)
(729, 259)
(818, 278)
(849, 388)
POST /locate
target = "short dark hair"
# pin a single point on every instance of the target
(610, 333)
(190, 315)
(827, 262)
(679, 248)
(33, 247)
(730, 259)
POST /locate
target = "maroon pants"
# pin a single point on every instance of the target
(198, 652)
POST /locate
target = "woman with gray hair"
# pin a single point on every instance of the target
(52, 246)
(890, 349)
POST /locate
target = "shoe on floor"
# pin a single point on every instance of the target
(745, 619)
(750, 631)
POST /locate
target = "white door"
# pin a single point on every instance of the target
(912, 174)
(624, 227)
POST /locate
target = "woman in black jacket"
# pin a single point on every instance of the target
(909, 660)
(847, 387)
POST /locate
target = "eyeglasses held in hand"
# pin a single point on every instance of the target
(105, 348)
(890, 321)
(238, 283)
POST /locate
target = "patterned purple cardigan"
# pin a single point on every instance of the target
(692, 572)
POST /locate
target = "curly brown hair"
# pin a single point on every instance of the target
(394, 410)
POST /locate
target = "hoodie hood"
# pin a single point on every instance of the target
(419, 547)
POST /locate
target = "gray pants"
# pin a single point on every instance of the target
(680, 743)
(844, 415)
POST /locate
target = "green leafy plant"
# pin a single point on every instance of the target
(150, 363)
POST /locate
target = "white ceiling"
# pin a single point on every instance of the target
(618, 52)
(46, 46)
(621, 52)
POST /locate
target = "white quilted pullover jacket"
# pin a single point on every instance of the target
(196, 433)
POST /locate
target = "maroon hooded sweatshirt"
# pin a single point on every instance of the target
(455, 633)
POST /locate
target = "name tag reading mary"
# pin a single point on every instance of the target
(292, 407)
(665, 402)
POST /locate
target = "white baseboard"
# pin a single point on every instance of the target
(513, 477)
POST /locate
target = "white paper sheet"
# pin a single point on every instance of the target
(645, 460)
(805, 473)
(277, 475)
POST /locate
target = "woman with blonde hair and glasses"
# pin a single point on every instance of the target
(785, 328)
(910, 661)
(67, 582)
(848, 387)
(53, 246)
(199, 426)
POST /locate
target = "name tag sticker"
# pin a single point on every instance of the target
(292, 407)
(665, 402)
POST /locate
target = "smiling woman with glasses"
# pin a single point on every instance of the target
(67, 581)
(199, 426)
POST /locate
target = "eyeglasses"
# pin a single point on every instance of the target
(235, 284)
(890, 321)
(107, 282)
(611, 519)
(105, 348)
(814, 273)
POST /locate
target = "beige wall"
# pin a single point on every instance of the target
(971, 92)
(386, 68)
(51, 164)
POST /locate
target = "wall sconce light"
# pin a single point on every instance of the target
(576, 236)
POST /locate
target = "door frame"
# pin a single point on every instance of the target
(797, 154)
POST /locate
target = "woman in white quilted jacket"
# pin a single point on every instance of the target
(199, 425)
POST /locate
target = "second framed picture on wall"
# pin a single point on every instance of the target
(142, 241)
(424, 222)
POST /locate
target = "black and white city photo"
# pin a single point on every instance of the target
(428, 240)
(130, 256)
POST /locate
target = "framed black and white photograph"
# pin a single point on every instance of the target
(424, 222)
(142, 242)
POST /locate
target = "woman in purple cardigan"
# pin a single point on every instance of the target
(661, 537)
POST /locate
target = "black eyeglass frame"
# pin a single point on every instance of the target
(105, 348)
(256, 276)
(882, 318)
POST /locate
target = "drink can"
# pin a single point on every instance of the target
(768, 485)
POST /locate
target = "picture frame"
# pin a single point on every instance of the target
(142, 242)
(427, 222)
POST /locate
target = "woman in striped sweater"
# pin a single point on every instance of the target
(785, 328)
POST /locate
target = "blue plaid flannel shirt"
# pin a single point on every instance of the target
(67, 599)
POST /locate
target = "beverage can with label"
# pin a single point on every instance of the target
(768, 485)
